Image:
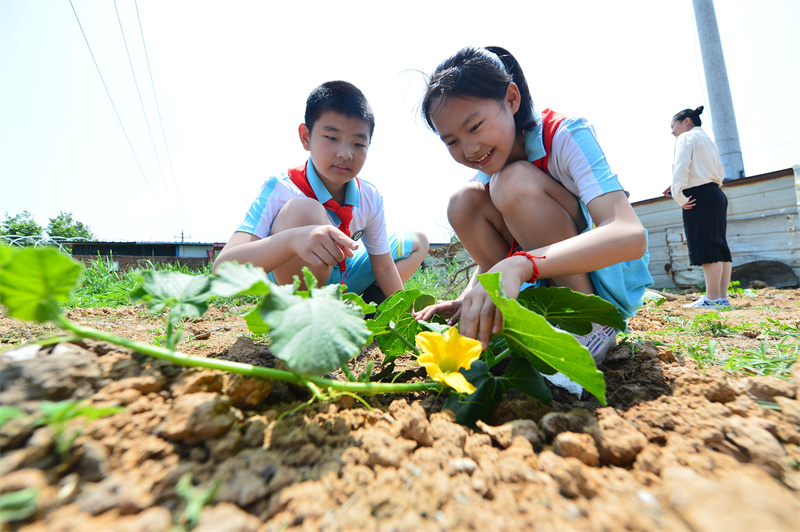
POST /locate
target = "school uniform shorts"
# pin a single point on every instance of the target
(359, 270)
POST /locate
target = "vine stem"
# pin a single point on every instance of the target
(182, 359)
(402, 339)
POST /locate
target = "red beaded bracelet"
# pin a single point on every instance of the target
(531, 258)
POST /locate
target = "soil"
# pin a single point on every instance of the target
(680, 446)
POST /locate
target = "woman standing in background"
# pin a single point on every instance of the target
(697, 176)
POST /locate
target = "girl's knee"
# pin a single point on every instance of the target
(299, 212)
(519, 181)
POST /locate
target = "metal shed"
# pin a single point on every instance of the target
(763, 220)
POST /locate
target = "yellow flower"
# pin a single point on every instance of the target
(444, 355)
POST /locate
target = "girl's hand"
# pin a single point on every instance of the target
(480, 318)
(445, 309)
(668, 192)
(689, 204)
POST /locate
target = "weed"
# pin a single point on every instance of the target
(703, 354)
(709, 322)
(196, 499)
(762, 362)
(18, 505)
(58, 415)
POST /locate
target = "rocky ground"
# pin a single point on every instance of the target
(679, 446)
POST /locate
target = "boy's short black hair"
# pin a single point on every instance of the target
(341, 97)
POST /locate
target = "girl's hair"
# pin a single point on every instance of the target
(689, 113)
(479, 73)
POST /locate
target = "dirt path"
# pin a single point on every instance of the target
(679, 447)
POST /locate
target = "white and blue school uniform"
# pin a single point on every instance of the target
(579, 164)
(368, 225)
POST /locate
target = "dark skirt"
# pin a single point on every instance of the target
(705, 225)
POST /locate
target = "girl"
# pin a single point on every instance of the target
(697, 176)
(544, 203)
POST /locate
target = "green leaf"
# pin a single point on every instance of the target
(270, 309)
(490, 389)
(196, 498)
(477, 405)
(36, 281)
(18, 505)
(63, 411)
(6, 252)
(9, 412)
(186, 295)
(572, 311)
(358, 301)
(435, 326)
(233, 279)
(549, 350)
(521, 374)
(313, 335)
(395, 312)
(425, 300)
(97, 412)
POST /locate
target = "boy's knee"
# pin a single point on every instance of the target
(420, 242)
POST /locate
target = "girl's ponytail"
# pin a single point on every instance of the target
(524, 118)
(479, 73)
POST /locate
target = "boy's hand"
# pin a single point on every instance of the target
(324, 245)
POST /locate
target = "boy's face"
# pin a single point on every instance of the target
(338, 146)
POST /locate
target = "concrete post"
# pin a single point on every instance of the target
(719, 91)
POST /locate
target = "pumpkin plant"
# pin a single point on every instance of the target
(317, 330)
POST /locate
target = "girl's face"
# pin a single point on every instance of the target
(478, 132)
(681, 126)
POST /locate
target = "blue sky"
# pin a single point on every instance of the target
(231, 78)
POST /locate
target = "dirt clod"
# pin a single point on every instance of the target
(683, 444)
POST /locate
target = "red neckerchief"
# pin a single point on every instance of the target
(344, 212)
(550, 122)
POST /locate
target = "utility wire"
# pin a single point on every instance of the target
(163, 133)
(136, 83)
(118, 118)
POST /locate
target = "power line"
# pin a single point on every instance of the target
(136, 83)
(158, 109)
(118, 117)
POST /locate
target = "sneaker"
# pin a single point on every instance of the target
(724, 302)
(704, 302)
(599, 342)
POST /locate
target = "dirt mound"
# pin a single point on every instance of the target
(681, 445)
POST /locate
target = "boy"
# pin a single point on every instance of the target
(315, 215)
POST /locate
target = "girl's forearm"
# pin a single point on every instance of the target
(590, 251)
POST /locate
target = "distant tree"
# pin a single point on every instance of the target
(64, 226)
(21, 224)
